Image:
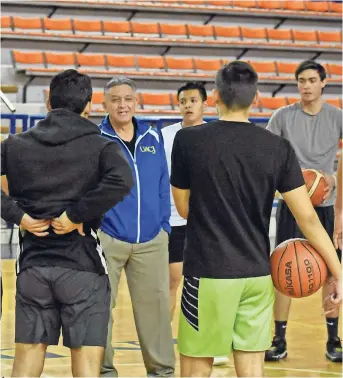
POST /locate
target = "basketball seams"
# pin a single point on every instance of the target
(296, 257)
(314, 257)
(278, 268)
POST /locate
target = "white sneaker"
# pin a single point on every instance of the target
(218, 361)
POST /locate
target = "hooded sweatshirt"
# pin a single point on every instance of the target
(63, 164)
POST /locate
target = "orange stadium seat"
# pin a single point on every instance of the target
(35, 23)
(227, 31)
(335, 102)
(317, 6)
(254, 33)
(305, 36)
(97, 98)
(57, 24)
(264, 67)
(270, 4)
(28, 58)
(286, 68)
(201, 31)
(194, 2)
(162, 100)
(151, 62)
(91, 60)
(272, 102)
(336, 7)
(335, 69)
(207, 64)
(279, 35)
(168, 30)
(117, 27)
(298, 5)
(292, 100)
(60, 59)
(145, 28)
(328, 36)
(219, 3)
(245, 3)
(121, 61)
(186, 64)
(6, 22)
(88, 26)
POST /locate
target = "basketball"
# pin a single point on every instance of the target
(315, 183)
(297, 268)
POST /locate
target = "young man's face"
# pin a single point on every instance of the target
(120, 103)
(192, 106)
(310, 86)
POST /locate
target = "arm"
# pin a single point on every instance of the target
(10, 210)
(164, 192)
(312, 228)
(337, 234)
(181, 199)
(116, 181)
(180, 180)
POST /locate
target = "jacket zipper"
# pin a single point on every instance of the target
(137, 177)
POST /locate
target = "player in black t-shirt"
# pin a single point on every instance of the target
(224, 177)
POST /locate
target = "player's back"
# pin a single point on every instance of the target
(234, 170)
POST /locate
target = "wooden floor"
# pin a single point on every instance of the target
(306, 340)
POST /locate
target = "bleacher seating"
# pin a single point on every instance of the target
(163, 43)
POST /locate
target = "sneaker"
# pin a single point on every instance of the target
(277, 351)
(218, 361)
(334, 350)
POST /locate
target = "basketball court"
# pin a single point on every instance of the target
(306, 335)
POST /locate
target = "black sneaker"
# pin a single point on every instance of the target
(334, 350)
(277, 351)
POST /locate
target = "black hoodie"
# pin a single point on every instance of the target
(63, 164)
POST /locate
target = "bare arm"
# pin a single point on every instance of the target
(337, 234)
(301, 207)
(181, 199)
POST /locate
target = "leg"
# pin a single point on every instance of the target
(175, 276)
(28, 360)
(252, 331)
(86, 361)
(147, 277)
(286, 228)
(176, 246)
(333, 345)
(249, 364)
(117, 254)
(195, 367)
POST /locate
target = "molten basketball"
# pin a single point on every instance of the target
(315, 183)
(297, 268)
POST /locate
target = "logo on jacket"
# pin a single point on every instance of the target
(148, 149)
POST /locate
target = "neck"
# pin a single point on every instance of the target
(195, 123)
(121, 128)
(313, 107)
(234, 116)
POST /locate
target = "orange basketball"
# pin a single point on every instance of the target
(297, 268)
(315, 183)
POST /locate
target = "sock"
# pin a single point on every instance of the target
(332, 325)
(280, 329)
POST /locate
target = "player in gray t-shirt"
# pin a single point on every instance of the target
(314, 129)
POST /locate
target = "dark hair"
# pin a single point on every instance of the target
(310, 65)
(120, 80)
(236, 83)
(70, 90)
(194, 85)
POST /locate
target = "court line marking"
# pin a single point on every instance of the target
(230, 366)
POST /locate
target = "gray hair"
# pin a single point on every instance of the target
(120, 80)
